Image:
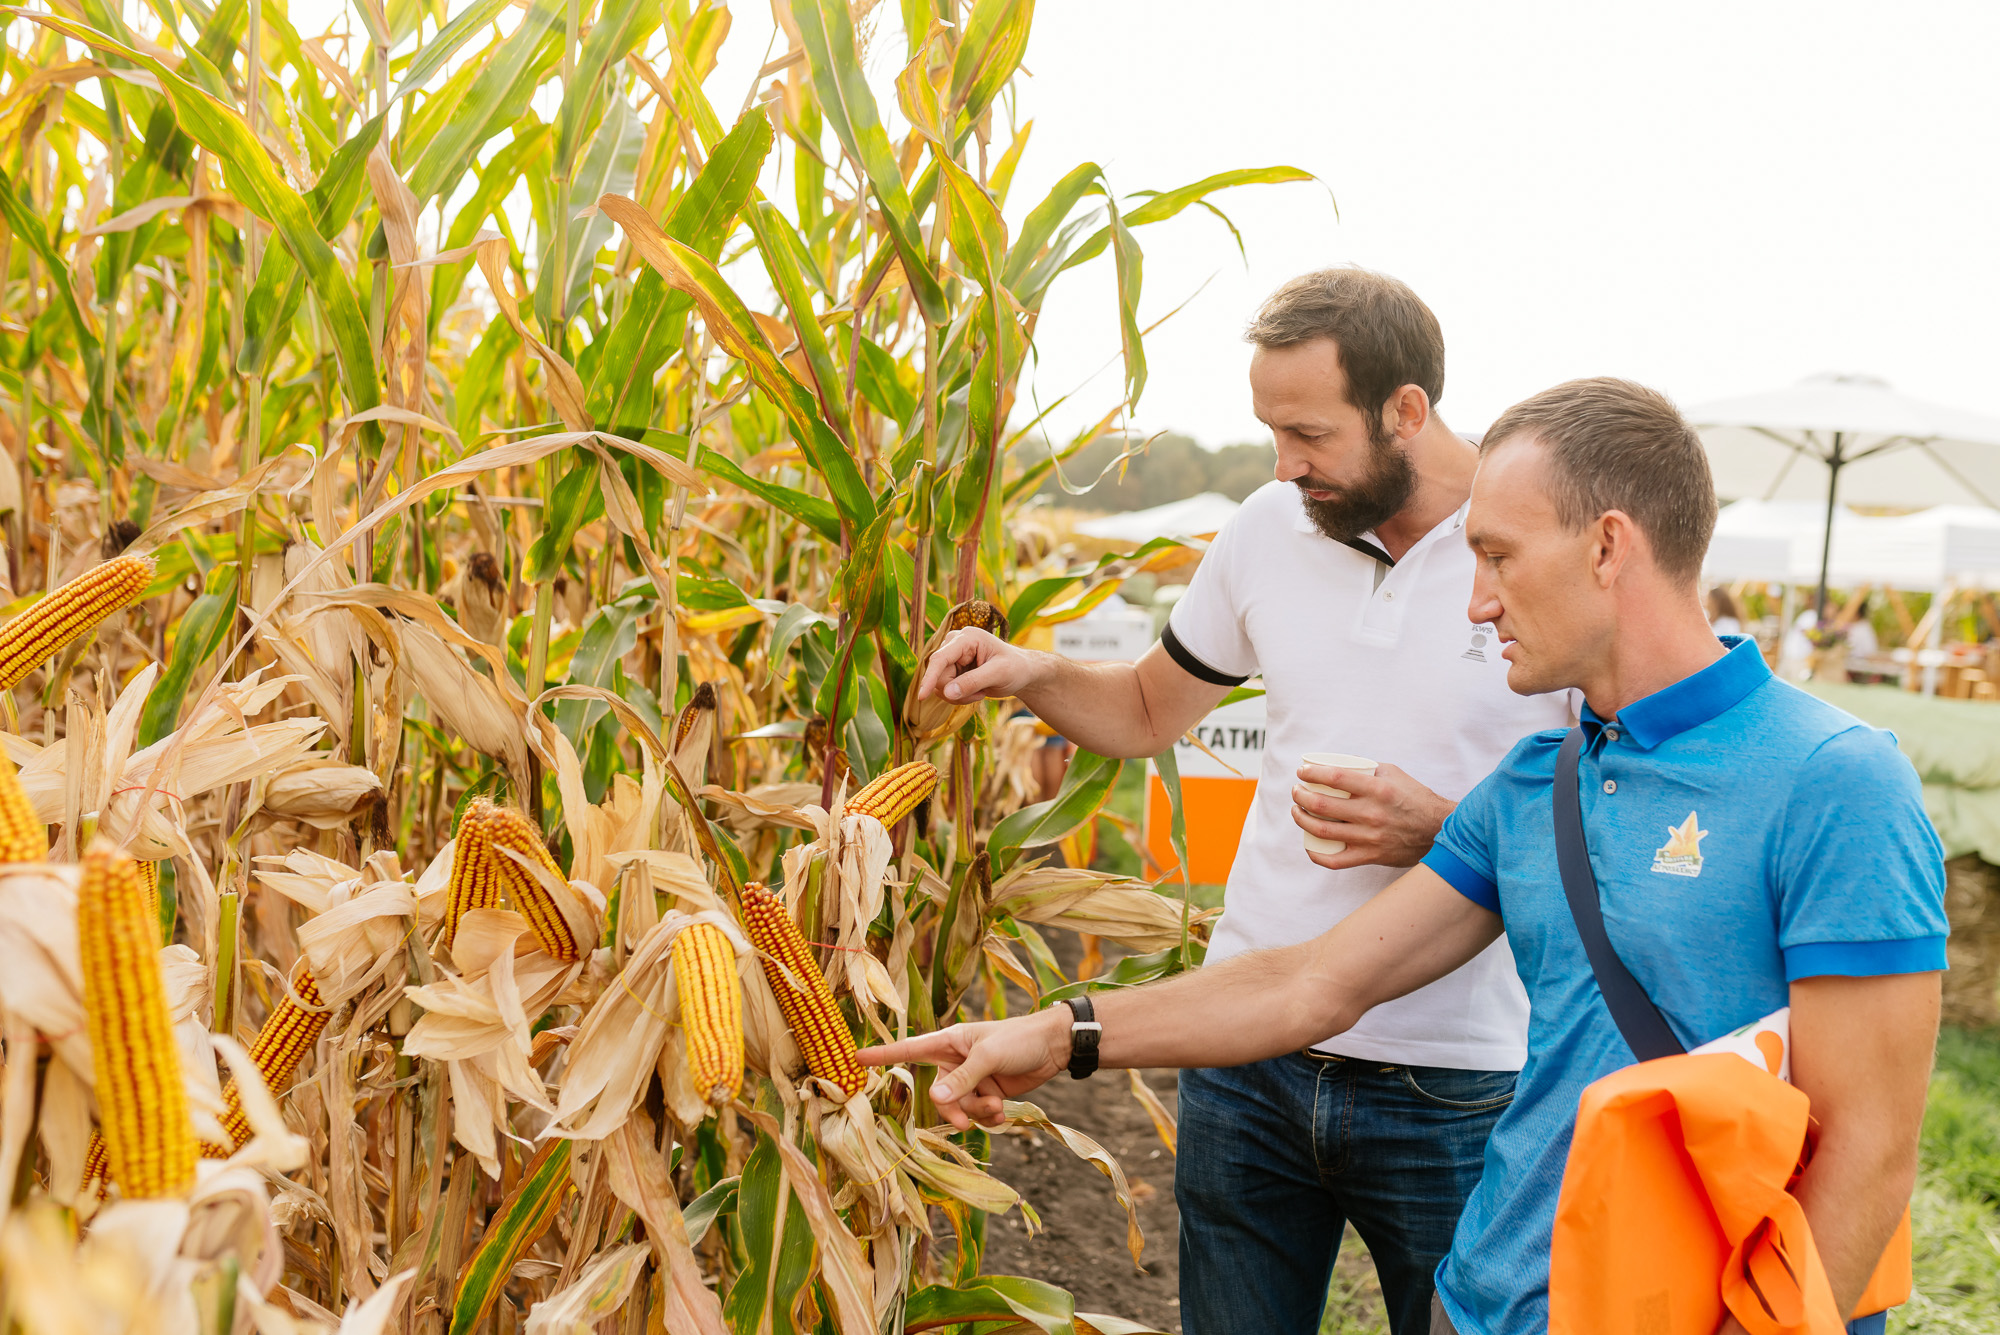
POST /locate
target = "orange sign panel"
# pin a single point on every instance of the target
(1218, 786)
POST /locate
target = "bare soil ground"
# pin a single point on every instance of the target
(1082, 1247)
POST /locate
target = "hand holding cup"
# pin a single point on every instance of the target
(1356, 812)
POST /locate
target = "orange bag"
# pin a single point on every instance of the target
(1676, 1206)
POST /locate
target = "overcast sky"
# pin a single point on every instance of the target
(1713, 198)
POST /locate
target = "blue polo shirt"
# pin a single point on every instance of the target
(1743, 834)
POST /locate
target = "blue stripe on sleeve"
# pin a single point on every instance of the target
(1862, 959)
(1463, 878)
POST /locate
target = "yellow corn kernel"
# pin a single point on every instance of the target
(289, 1032)
(711, 1010)
(97, 1166)
(810, 1014)
(32, 638)
(142, 1106)
(508, 828)
(475, 881)
(22, 838)
(977, 612)
(892, 795)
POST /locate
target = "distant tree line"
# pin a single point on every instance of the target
(1173, 468)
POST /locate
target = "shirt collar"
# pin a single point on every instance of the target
(1691, 701)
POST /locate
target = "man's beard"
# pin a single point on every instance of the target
(1373, 501)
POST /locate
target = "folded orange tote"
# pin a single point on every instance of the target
(1676, 1207)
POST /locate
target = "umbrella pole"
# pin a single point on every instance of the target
(1833, 463)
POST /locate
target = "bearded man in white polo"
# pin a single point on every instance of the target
(1344, 585)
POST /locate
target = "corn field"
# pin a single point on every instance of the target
(467, 569)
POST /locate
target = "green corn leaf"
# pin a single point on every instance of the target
(786, 260)
(484, 370)
(649, 331)
(523, 153)
(1083, 793)
(703, 1210)
(1008, 1298)
(469, 22)
(990, 47)
(522, 1219)
(620, 28)
(876, 378)
(1159, 207)
(489, 103)
(274, 303)
(729, 319)
(577, 501)
(608, 168)
(775, 1266)
(1043, 221)
(219, 128)
(200, 634)
(827, 31)
(816, 514)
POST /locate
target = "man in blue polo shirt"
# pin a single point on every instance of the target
(1753, 848)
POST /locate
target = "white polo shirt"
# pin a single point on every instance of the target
(1391, 670)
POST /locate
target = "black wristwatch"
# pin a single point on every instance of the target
(1084, 1033)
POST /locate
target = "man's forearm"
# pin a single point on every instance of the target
(1241, 1010)
(1854, 1195)
(1099, 706)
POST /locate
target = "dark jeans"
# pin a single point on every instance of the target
(1275, 1158)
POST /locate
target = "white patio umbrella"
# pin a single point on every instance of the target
(1851, 438)
(1190, 518)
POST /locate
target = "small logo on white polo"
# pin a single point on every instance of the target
(1681, 854)
(1481, 636)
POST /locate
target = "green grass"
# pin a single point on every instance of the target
(1955, 1212)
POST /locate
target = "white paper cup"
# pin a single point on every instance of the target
(1336, 760)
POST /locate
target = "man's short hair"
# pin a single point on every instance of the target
(1385, 336)
(1615, 445)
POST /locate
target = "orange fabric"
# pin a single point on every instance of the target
(1675, 1209)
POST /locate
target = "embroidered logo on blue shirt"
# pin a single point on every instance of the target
(1681, 854)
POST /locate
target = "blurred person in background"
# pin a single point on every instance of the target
(1344, 584)
(1723, 613)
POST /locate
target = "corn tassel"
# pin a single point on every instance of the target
(32, 638)
(148, 1135)
(22, 837)
(475, 881)
(892, 795)
(810, 1013)
(508, 828)
(711, 998)
(289, 1033)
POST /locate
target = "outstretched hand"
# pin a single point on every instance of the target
(982, 1065)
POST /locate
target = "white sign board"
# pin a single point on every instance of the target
(1115, 635)
(1235, 733)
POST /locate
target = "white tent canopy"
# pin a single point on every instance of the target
(1889, 449)
(1780, 541)
(1194, 517)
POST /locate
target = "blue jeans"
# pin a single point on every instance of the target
(1275, 1158)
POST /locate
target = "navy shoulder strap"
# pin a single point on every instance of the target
(1646, 1031)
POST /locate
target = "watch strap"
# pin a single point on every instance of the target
(1084, 1035)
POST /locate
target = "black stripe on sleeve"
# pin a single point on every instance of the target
(1191, 665)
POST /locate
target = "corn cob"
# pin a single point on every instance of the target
(809, 1013)
(32, 638)
(22, 838)
(142, 1106)
(508, 828)
(711, 1010)
(149, 883)
(475, 881)
(288, 1034)
(895, 793)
